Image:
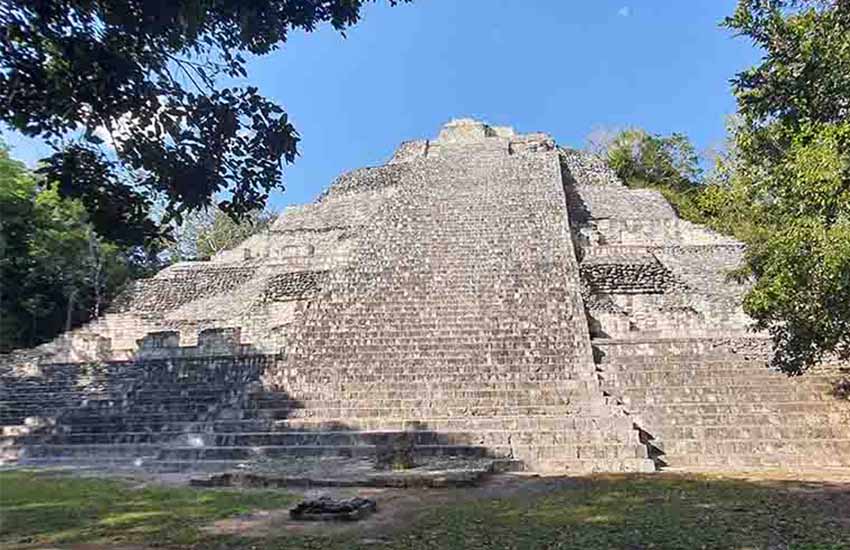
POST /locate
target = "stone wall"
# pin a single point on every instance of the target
(657, 275)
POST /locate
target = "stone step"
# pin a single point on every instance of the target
(814, 419)
(172, 390)
(591, 465)
(814, 449)
(758, 378)
(26, 419)
(752, 432)
(420, 411)
(729, 394)
(783, 461)
(423, 401)
(345, 365)
(664, 361)
(275, 407)
(49, 387)
(404, 360)
(161, 418)
(667, 410)
(729, 385)
(450, 346)
(280, 452)
(131, 450)
(561, 466)
(99, 464)
(190, 388)
(520, 452)
(414, 330)
(534, 453)
(417, 323)
(16, 430)
(113, 417)
(224, 368)
(66, 375)
(190, 409)
(386, 386)
(414, 399)
(409, 375)
(107, 386)
(107, 403)
(584, 422)
(702, 364)
(423, 435)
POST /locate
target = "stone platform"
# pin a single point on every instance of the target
(345, 472)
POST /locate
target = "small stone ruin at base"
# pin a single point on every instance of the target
(484, 296)
(328, 509)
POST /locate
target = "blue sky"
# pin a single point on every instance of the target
(565, 67)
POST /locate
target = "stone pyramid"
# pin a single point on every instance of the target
(483, 294)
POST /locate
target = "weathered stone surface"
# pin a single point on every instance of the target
(485, 296)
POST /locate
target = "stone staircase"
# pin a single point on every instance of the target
(464, 309)
(714, 404)
(117, 413)
(212, 414)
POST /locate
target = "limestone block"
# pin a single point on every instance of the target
(410, 150)
(465, 130)
(220, 340)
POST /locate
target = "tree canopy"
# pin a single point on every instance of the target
(129, 93)
(793, 159)
(55, 270)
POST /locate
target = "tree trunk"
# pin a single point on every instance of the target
(69, 313)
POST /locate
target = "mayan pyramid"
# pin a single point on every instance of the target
(483, 294)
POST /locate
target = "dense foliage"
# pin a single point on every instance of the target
(793, 159)
(129, 94)
(55, 270)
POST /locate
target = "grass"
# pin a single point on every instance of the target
(36, 508)
(622, 512)
(636, 514)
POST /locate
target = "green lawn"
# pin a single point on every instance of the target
(640, 513)
(623, 512)
(35, 508)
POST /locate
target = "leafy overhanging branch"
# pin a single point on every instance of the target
(146, 73)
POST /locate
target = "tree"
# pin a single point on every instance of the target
(793, 148)
(642, 159)
(142, 77)
(669, 164)
(55, 270)
(204, 234)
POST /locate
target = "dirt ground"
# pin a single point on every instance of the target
(398, 508)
